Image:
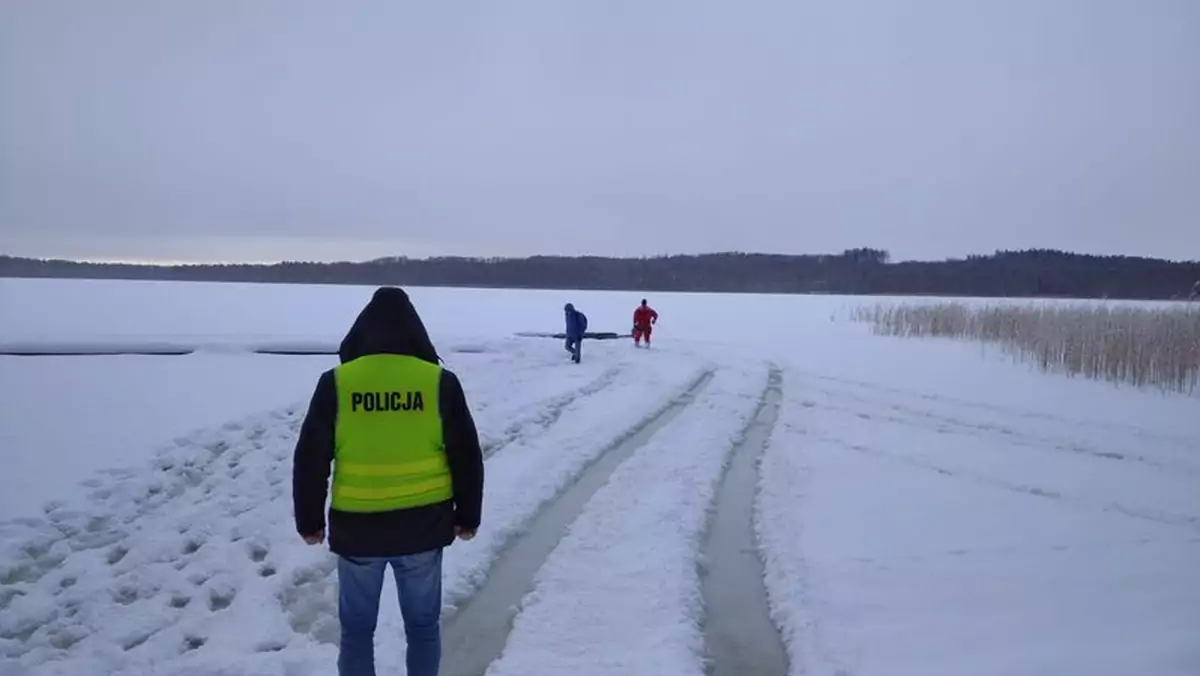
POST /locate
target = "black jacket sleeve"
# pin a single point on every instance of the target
(462, 452)
(313, 457)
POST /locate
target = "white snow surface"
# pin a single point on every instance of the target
(194, 561)
(63, 419)
(925, 506)
(907, 535)
(621, 593)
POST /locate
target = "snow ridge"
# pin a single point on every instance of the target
(621, 592)
(533, 419)
(525, 475)
(795, 608)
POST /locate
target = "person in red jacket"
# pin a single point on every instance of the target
(644, 317)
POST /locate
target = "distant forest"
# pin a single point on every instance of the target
(1031, 273)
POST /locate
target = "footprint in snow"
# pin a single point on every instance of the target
(218, 448)
(125, 594)
(221, 598)
(116, 554)
(309, 601)
(258, 550)
(8, 595)
(135, 641)
(65, 638)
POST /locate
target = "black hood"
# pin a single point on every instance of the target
(389, 324)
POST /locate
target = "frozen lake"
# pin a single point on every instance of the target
(913, 507)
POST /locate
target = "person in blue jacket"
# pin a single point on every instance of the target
(576, 326)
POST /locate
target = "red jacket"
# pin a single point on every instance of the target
(643, 315)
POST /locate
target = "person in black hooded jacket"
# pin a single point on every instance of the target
(366, 539)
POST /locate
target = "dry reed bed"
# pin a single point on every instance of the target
(1157, 347)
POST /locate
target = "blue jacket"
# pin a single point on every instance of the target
(576, 322)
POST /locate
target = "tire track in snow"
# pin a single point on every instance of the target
(946, 424)
(1187, 445)
(740, 637)
(548, 411)
(919, 452)
(1189, 521)
(475, 635)
(620, 594)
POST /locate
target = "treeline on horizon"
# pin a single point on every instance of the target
(864, 271)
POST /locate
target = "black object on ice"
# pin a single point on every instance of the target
(69, 350)
(588, 335)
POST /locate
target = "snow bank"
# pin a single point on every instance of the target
(121, 409)
(191, 565)
(621, 593)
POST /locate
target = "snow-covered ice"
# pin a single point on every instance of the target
(62, 419)
(923, 507)
(936, 538)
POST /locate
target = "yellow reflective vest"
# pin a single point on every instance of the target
(388, 447)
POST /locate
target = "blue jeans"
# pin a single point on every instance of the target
(575, 347)
(419, 586)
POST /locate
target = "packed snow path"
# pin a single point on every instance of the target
(897, 532)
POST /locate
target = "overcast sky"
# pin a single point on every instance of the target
(266, 130)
